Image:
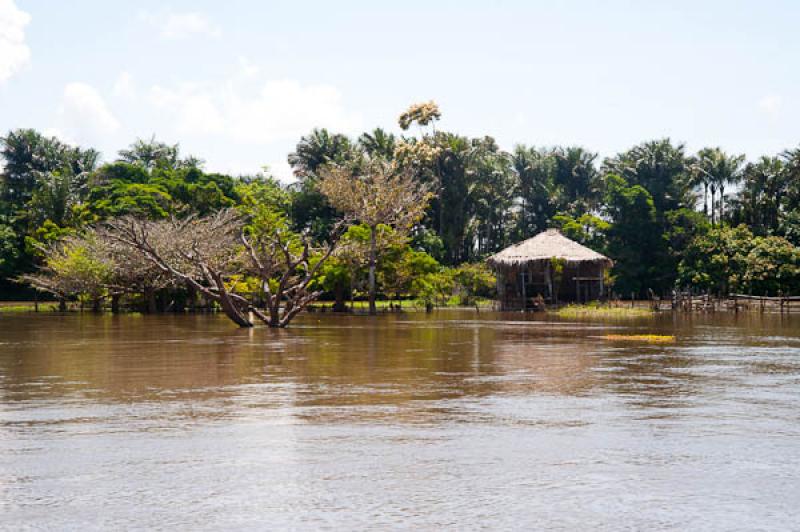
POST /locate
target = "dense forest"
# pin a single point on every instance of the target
(670, 219)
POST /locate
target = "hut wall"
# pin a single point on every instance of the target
(579, 282)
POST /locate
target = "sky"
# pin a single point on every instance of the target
(237, 83)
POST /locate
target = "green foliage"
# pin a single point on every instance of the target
(773, 267)
(433, 289)
(577, 179)
(588, 229)
(535, 173)
(265, 202)
(45, 236)
(472, 281)
(654, 209)
(660, 168)
(634, 238)
(160, 191)
(73, 267)
(734, 260)
(9, 250)
(138, 199)
(425, 239)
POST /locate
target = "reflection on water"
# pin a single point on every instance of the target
(455, 420)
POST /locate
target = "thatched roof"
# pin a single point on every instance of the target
(544, 247)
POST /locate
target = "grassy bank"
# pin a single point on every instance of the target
(597, 311)
(8, 307)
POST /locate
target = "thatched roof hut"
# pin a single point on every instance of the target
(548, 267)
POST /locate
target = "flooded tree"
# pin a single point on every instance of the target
(207, 253)
(76, 266)
(376, 192)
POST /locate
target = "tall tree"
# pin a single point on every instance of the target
(658, 166)
(760, 201)
(491, 194)
(151, 154)
(578, 179)
(535, 171)
(378, 143)
(715, 169)
(310, 210)
(633, 237)
(375, 192)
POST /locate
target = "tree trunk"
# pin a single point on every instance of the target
(62, 305)
(338, 295)
(275, 312)
(373, 310)
(96, 305)
(233, 312)
(115, 303)
(713, 205)
(192, 296)
(150, 300)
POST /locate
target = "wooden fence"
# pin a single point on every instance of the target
(733, 302)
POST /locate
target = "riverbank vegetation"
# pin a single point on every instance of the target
(383, 216)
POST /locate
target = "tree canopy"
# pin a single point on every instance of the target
(669, 218)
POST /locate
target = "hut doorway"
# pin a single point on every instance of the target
(534, 284)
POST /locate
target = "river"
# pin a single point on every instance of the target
(454, 420)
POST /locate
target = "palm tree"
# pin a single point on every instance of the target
(764, 187)
(658, 166)
(577, 176)
(716, 169)
(317, 149)
(535, 173)
(378, 143)
(791, 159)
(730, 172)
(151, 153)
(699, 178)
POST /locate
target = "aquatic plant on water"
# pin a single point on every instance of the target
(648, 338)
(596, 310)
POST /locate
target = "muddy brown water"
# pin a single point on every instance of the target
(454, 420)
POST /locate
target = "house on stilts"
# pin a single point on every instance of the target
(548, 267)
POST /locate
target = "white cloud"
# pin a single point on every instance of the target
(770, 104)
(14, 53)
(247, 68)
(60, 135)
(124, 87)
(280, 110)
(84, 115)
(181, 25)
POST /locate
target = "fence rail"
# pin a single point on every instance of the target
(732, 302)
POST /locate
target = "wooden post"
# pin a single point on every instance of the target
(524, 295)
(602, 295)
(549, 274)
